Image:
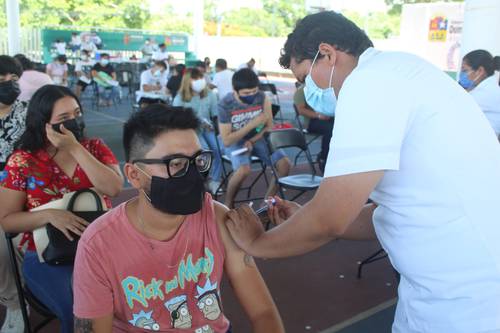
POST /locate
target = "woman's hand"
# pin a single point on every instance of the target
(66, 221)
(62, 141)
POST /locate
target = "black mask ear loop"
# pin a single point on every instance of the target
(150, 178)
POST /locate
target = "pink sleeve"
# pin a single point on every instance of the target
(93, 296)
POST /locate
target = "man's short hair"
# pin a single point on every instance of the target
(62, 58)
(104, 55)
(221, 63)
(9, 65)
(162, 45)
(245, 78)
(24, 61)
(161, 64)
(324, 27)
(140, 131)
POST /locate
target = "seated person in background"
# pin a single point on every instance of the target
(156, 261)
(244, 117)
(83, 70)
(13, 116)
(161, 54)
(195, 94)
(58, 70)
(46, 165)
(222, 79)
(202, 67)
(104, 75)
(153, 81)
(314, 123)
(174, 83)
(147, 49)
(60, 47)
(477, 77)
(76, 42)
(31, 80)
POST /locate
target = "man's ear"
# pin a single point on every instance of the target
(329, 52)
(133, 175)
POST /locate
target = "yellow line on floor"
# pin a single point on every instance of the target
(361, 316)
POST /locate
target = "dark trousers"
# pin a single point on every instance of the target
(324, 128)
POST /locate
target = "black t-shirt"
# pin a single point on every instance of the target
(108, 69)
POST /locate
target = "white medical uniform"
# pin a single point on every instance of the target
(439, 199)
(487, 95)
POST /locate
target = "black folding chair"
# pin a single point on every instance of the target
(24, 294)
(378, 255)
(312, 137)
(227, 170)
(303, 182)
(125, 78)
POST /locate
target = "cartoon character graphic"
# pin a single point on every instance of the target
(179, 312)
(145, 320)
(209, 300)
(204, 329)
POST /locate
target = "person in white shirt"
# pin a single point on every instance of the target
(58, 70)
(250, 64)
(153, 85)
(83, 70)
(60, 47)
(477, 77)
(96, 40)
(31, 80)
(161, 54)
(222, 79)
(147, 49)
(76, 42)
(88, 44)
(414, 142)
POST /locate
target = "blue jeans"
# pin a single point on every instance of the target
(208, 141)
(52, 286)
(108, 93)
(259, 149)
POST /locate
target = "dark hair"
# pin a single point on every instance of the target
(200, 63)
(140, 131)
(105, 55)
(62, 58)
(39, 112)
(87, 52)
(194, 72)
(496, 63)
(324, 27)
(24, 61)
(10, 65)
(161, 64)
(245, 78)
(162, 45)
(480, 58)
(221, 63)
(180, 68)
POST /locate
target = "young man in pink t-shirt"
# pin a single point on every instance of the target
(156, 262)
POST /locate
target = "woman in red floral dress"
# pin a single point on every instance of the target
(53, 158)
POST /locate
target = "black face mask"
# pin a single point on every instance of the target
(178, 196)
(75, 126)
(9, 92)
(248, 99)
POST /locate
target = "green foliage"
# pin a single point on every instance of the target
(376, 25)
(397, 5)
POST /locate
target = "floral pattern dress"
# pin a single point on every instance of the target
(42, 180)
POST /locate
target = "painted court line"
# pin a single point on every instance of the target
(361, 316)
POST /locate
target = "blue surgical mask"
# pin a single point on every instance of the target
(104, 62)
(464, 81)
(248, 99)
(320, 100)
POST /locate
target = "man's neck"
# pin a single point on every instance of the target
(154, 223)
(5, 110)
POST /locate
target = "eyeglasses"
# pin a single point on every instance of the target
(178, 164)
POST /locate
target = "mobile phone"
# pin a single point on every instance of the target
(57, 128)
(262, 213)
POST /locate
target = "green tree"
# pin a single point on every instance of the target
(290, 11)
(397, 5)
(255, 22)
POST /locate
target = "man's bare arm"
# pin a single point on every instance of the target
(94, 325)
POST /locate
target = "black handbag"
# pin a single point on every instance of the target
(60, 250)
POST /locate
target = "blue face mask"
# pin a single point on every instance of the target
(464, 81)
(248, 99)
(320, 100)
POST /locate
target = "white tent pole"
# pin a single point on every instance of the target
(13, 27)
